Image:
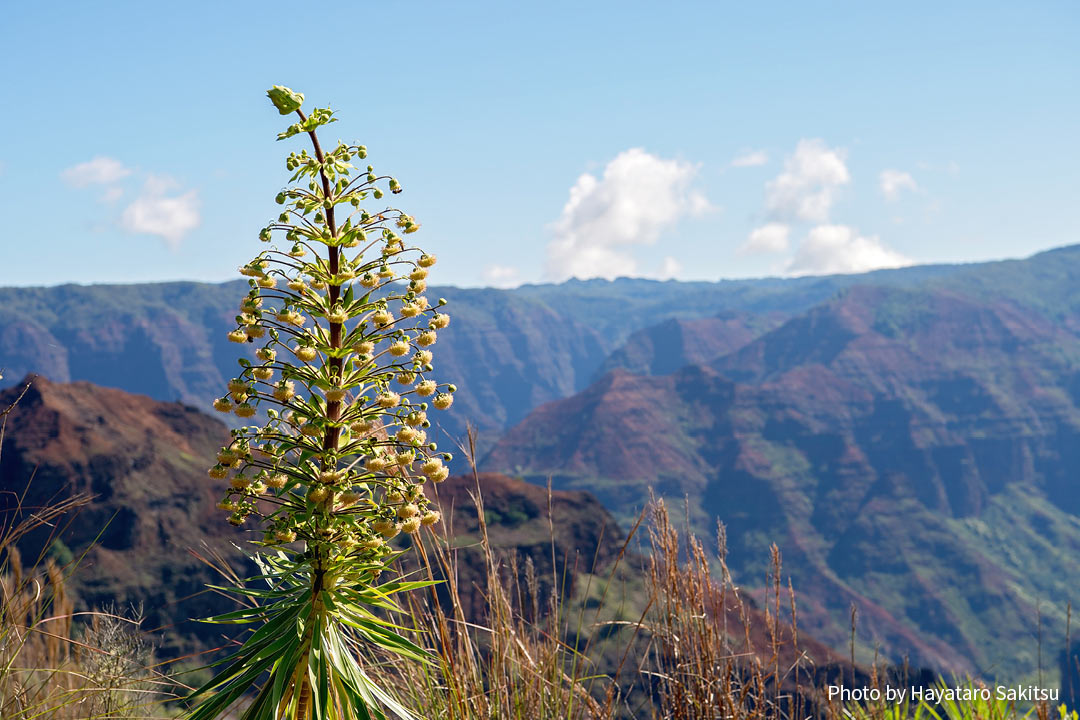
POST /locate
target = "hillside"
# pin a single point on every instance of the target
(911, 452)
(145, 464)
(908, 436)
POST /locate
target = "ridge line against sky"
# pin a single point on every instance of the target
(697, 141)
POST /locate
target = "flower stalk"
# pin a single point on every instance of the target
(338, 464)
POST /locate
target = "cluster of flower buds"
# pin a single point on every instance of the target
(341, 378)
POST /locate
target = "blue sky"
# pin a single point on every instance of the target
(536, 141)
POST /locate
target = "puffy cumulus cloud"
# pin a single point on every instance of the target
(637, 198)
(770, 238)
(501, 276)
(807, 187)
(894, 182)
(750, 158)
(99, 171)
(833, 249)
(157, 212)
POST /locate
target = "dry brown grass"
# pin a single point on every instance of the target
(693, 649)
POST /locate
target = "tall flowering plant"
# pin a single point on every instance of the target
(337, 464)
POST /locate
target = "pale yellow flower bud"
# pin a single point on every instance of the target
(277, 481)
(441, 475)
(439, 321)
(431, 467)
(418, 274)
(388, 400)
(399, 348)
(266, 354)
(405, 458)
(237, 336)
(426, 260)
(426, 387)
(365, 348)
(386, 528)
(430, 517)
(409, 310)
(285, 536)
(218, 472)
(223, 405)
(305, 353)
(408, 510)
(317, 495)
(411, 525)
(310, 429)
(443, 400)
(263, 373)
(245, 411)
(382, 318)
(266, 282)
(334, 394)
(426, 338)
(284, 391)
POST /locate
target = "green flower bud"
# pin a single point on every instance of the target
(284, 99)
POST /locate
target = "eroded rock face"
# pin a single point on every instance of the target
(144, 464)
(913, 453)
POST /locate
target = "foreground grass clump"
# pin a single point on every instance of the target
(338, 467)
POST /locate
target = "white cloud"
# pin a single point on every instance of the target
(830, 249)
(155, 212)
(806, 189)
(112, 194)
(770, 238)
(99, 171)
(639, 196)
(750, 158)
(501, 276)
(893, 182)
(670, 268)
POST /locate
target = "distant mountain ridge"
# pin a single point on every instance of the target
(508, 350)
